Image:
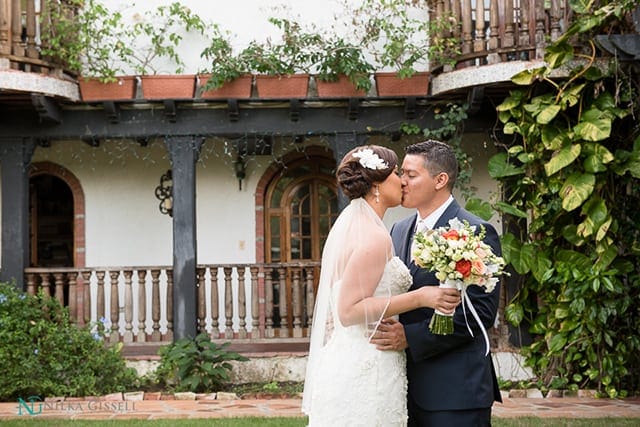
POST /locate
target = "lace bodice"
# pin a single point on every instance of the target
(396, 278)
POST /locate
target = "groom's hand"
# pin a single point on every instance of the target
(390, 336)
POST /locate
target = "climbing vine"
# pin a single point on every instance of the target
(570, 176)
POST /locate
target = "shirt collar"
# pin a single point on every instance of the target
(431, 219)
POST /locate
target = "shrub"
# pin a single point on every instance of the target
(43, 353)
(195, 364)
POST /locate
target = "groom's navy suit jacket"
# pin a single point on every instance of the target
(448, 372)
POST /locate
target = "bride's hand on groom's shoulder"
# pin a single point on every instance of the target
(444, 300)
(390, 336)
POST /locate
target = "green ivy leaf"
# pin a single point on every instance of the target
(562, 159)
(557, 343)
(508, 209)
(576, 190)
(594, 126)
(547, 114)
(499, 167)
(526, 77)
(514, 313)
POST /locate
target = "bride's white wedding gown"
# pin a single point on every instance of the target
(359, 385)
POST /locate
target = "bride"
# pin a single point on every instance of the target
(348, 382)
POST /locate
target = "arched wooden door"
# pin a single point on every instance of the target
(301, 204)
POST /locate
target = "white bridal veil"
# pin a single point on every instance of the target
(353, 229)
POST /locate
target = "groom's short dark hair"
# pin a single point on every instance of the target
(438, 157)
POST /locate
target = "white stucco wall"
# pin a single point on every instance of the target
(247, 20)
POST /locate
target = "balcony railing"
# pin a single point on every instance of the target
(489, 31)
(235, 301)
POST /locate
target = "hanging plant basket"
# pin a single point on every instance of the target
(342, 88)
(92, 89)
(174, 86)
(390, 85)
(239, 88)
(282, 87)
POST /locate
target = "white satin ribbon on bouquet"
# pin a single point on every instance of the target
(466, 302)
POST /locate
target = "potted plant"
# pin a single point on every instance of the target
(342, 69)
(404, 39)
(158, 35)
(282, 68)
(89, 39)
(227, 74)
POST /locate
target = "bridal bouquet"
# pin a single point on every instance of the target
(459, 258)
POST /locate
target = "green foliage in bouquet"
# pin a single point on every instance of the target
(43, 354)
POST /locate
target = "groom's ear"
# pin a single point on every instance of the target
(442, 179)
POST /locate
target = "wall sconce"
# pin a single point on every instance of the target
(164, 193)
(241, 172)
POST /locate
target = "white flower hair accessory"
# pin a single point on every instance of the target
(370, 160)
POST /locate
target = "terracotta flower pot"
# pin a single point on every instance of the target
(180, 86)
(282, 87)
(92, 89)
(239, 88)
(343, 88)
(389, 84)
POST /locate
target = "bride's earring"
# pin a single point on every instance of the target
(377, 194)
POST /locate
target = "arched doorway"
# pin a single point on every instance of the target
(56, 217)
(301, 204)
(296, 205)
(51, 211)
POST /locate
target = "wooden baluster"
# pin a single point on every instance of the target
(255, 303)
(540, 28)
(17, 47)
(32, 49)
(155, 305)
(128, 306)
(215, 312)
(59, 287)
(282, 303)
(31, 281)
(555, 17)
(479, 43)
(494, 35)
(5, 28)
(508, 40)
(169, 334)
(100, 313)
(115, 307)
(228, 303)
(46, 284)
(86, 300)
(525, 21)
(202, 302)
(268, 289)
(310, 300)
(467, 40)
(73, 296)
(242, 303)
(142, 306)
(296, 303)
(456, 11)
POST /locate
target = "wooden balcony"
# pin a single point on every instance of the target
(256, 307)
(489, 32)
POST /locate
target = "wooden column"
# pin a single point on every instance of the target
(184, 151)
(15, 158)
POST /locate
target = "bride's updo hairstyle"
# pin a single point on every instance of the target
(364, 166)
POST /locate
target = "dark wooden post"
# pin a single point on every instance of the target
(15, 158)
(184, 151)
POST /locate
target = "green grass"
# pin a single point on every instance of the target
(300, 422)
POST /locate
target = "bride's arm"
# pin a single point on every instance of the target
(357, 305)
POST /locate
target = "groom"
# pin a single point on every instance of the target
(451, 381)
